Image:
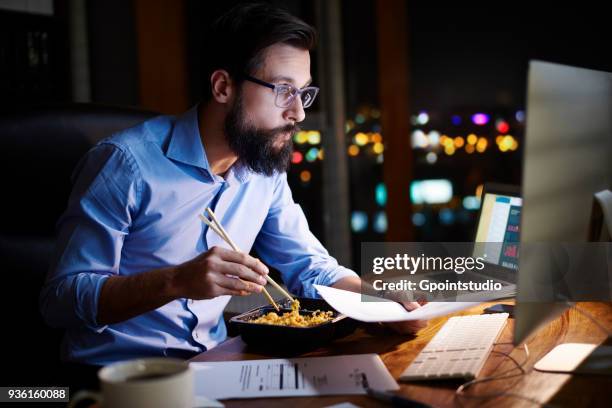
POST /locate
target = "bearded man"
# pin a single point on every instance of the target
(136, 274)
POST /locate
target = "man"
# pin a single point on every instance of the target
(136, 273)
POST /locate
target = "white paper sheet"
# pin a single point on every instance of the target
(381, 310)
(309, 376)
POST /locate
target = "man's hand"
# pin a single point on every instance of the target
(354, 284)
(410, 326)
(215, 272)
(207, 276)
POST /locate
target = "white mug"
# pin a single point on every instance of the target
(143, 383)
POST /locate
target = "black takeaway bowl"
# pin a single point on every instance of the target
(291, 339)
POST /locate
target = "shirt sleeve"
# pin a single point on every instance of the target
(90, 236)
(286, 243)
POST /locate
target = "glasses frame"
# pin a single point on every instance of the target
(295, 92)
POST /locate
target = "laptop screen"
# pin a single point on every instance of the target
(499, 222)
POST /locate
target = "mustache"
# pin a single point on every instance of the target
(293, 129)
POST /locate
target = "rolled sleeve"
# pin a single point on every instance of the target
(91, 236)
(286, 243)
(74, 301)
(329, 277)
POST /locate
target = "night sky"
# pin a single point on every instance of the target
(463, 57)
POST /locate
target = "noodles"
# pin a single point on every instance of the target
(294, 318)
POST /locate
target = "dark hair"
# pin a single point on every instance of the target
(237, 39)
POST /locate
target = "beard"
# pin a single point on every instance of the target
(258, 149)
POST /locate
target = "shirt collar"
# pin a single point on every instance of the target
(186, 147)
(185, 143)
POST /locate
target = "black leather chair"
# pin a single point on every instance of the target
(39, 150)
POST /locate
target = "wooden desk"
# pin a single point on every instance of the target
(398, 351)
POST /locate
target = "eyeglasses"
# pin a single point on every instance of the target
(286, 93)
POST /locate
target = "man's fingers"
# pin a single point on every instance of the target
(241, 271)
(244, 259)
(230, 292)
(411, 305)
(223, 291)
(239, 285)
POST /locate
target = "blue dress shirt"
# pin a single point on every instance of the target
(134, 207)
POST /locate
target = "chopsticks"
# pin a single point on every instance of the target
(231, 243)
(216, 226)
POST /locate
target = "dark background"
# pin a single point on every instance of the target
(461, 60)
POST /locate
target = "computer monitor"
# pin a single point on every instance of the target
(498, 232)
(567, 159)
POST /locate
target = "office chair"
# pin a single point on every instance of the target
(40, 148)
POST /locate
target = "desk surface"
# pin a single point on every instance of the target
(398, 351)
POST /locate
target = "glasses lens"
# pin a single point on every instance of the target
(308, 96)
(285, 95)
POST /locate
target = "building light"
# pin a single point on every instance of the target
(419, 140)
(376, 138)
(300, 137)
(380, 222)
(502, 126)
(349, 125)
(459, 142)
(353, 150)
(314, 137)
(480, 119)
(431, 158)
(380, 194)
(471, 203)
(418, 219)
(359, 221)
(507, 143)
(433, 191)
(434, 138)
(447, 217)
(305, 176)
(481, 145)
(311, 154)
(361, 139)
(422, 118)
(297, 157)
(378, 148)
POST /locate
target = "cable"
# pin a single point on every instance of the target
(460, 392)
(501, 375)
(516, 363)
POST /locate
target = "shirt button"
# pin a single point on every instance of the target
(195, 335)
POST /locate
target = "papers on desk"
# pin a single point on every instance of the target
(382, 310)
(309, 376)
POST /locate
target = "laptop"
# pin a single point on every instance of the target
(497, 236)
